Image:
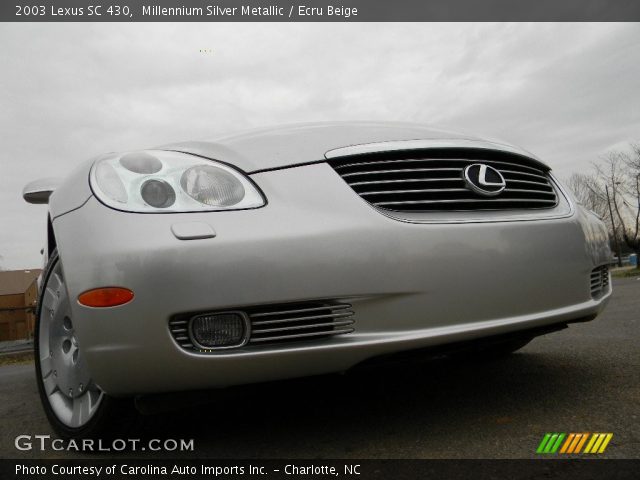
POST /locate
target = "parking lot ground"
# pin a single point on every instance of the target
(583, 379)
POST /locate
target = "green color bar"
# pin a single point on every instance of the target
(543, 443)
(550, 443)
(555, 448)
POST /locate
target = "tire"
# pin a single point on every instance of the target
(75, 406)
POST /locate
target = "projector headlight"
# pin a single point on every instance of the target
(158, 181)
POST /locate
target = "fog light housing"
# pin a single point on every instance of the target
(219, 330)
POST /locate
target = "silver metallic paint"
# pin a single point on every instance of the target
(73, 192)
(279, 147)
(404, 274)
(39, 191)
(404, 280)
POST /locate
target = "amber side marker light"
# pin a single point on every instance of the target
(105, 297)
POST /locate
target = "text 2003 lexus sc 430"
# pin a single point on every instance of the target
(297, 251)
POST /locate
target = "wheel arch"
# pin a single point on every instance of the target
(52, 243)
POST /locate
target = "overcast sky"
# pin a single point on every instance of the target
(567, 92)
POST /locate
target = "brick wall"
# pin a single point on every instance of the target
(17, 315)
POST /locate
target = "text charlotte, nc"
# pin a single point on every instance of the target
(250, 11)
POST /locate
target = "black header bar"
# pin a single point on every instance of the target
(318, 10)
(353, 469)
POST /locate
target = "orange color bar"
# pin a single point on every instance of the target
(581, 443)
(567, 442)
(578, 437)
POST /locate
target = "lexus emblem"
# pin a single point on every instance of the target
(484, 179)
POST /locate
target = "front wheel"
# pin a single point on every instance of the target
(75, 406)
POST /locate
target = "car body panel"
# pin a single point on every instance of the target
(278, 147)
(72, 192)
(411, 285)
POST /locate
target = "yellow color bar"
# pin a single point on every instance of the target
(607, 439)
(596, 445)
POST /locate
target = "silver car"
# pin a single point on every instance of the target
(296, 251)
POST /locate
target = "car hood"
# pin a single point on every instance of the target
(290, 145)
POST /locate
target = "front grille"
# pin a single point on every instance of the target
(280, 323)
(433, 181)
(599, 281)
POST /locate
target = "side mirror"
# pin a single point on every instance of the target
(39, 191)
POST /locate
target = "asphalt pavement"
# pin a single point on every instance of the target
(583, 379)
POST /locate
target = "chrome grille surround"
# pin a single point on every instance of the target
(280, 323)
(433, 180)
(599, 281)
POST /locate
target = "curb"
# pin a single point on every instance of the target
(17, 355)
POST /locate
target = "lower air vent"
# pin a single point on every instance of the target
(296, 322)
(279, 323)
(178, 326)
(599, 281)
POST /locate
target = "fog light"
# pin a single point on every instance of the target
(220, 330)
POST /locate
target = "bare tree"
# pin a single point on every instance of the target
(589, 191)
(620, 171)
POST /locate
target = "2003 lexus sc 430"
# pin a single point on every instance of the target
(298, 251)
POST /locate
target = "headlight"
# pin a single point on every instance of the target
(212, 186)
(159, 181)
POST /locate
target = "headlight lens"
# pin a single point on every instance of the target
(157, 193)
(212, 186)
(141, 162)
(161, 181)
(109, 182)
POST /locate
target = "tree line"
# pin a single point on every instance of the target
(612, 191)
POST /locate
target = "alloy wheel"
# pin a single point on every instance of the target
(65, 377)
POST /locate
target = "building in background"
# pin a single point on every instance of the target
(18, 297)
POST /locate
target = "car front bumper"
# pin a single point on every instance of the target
(411, 285)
